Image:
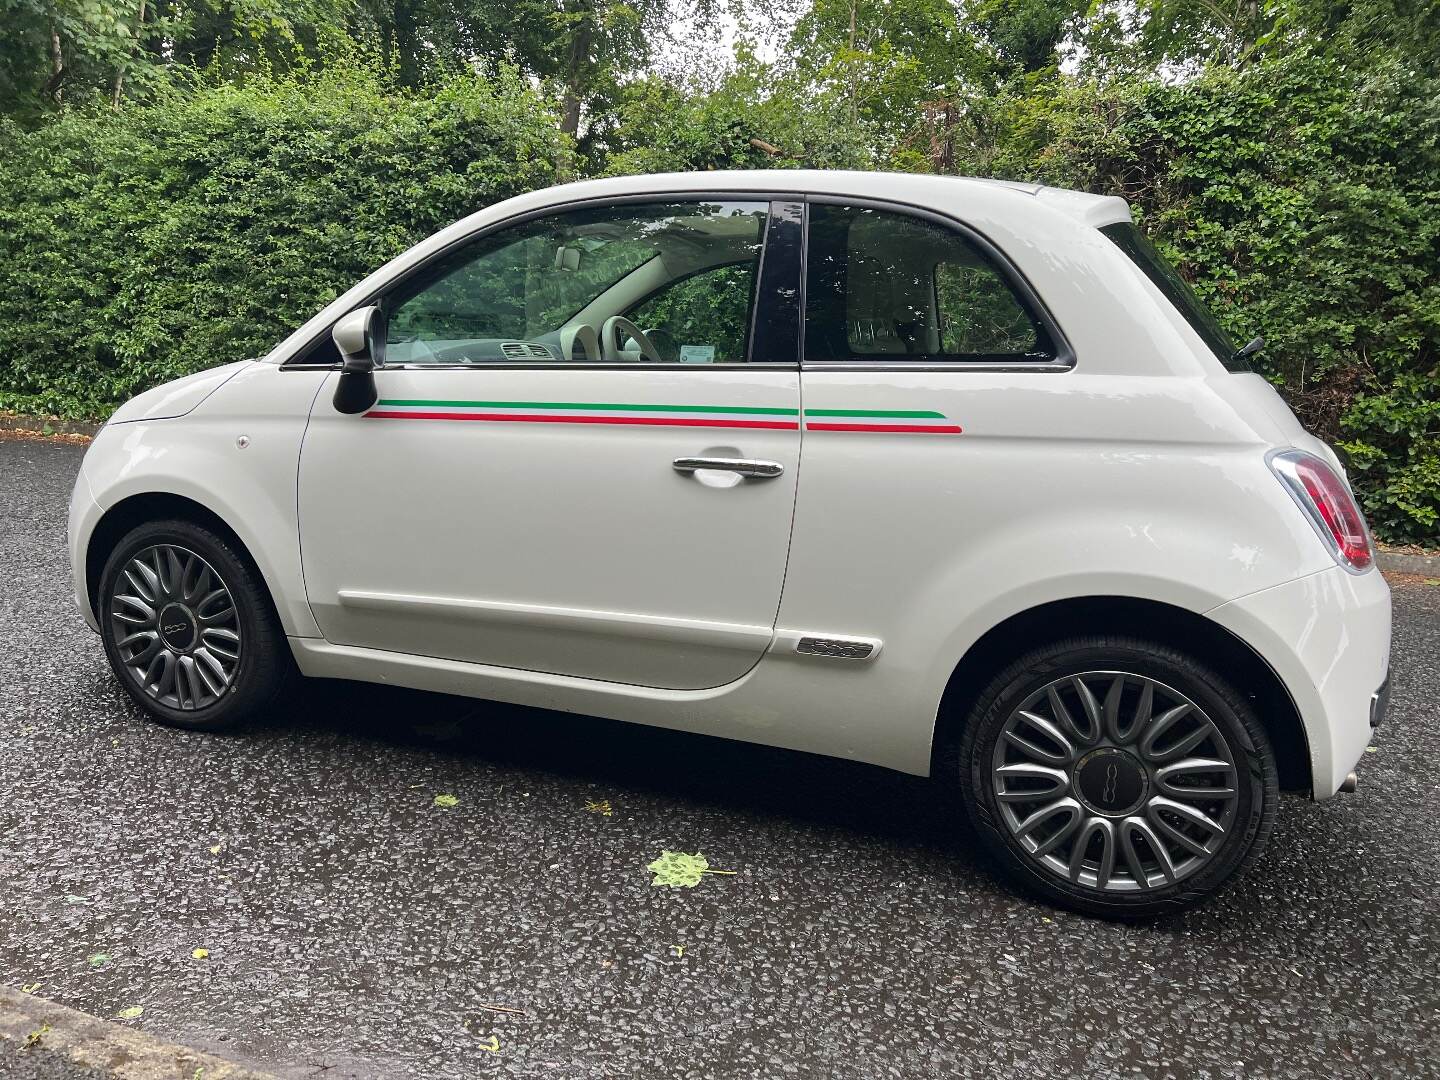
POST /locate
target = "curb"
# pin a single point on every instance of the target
(39, 425)
(40, 1040)
(1399, 563)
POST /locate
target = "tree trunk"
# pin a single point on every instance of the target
(119, 85)
(854, 70)
(57, 68)
(577, 68)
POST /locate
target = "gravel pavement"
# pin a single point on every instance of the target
(356, 929)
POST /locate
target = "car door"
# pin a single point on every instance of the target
(517, 499)
(923, 354)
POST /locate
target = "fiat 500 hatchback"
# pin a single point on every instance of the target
(950, 476)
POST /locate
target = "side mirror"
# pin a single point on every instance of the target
(360, 337)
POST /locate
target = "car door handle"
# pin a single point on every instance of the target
(761, 470)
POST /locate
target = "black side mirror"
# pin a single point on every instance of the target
(360, 337)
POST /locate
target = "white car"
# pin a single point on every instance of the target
(952, 476)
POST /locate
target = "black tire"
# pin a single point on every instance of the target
(264, 665)
(1097, 657)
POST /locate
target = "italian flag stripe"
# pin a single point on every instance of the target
(903, 421)
(589, 418)
(588, 406)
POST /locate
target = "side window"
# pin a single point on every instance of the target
(884, 286)
(701, 319)
(546, 290)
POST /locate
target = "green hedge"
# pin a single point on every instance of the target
(145, 244)
(1303, 199)
(1301, 196)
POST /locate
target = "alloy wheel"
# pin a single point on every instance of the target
(1114, 782)
(176, 627)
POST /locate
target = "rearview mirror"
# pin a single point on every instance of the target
(360, 337)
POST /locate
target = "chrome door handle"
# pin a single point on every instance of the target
(761, 470)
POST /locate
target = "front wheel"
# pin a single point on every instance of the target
(188, 627)
(1117, 777)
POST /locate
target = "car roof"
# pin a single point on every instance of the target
(1084, 207)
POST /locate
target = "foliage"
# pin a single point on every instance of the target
(180, 184)
(150, 243)
(1302, 199)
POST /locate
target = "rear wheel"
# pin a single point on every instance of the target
(1118, 777)
(188, 627)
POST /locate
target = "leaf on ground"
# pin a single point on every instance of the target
(679, 870)
(132, 1013)
(100, 959)
(215, 849)
(30, 988)
(73, 899)
(201, 954)
(493, 1045)
(446, 801)
(599, 806)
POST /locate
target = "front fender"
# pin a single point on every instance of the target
(250, 483)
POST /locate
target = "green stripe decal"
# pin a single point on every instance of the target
(903, 414)
(588, 406)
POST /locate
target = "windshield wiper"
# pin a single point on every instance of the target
(1249, 349)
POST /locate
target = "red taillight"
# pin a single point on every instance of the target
(1328, 504)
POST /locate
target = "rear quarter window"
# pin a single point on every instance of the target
(1145, 255)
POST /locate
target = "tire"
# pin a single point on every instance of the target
(160, 596)
(1115, 751)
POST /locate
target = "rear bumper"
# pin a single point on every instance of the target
(1327, 636)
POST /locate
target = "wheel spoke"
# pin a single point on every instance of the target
(1191, 815)
(1035, 749)
(173, 572)
(146, 614)
(1134, 860)
(1093, 720)
(1165, 779)
(215, 606)
(1202, 731)
(1056, 781)
(1159, 725)
(1105, 864)
(1112, 710)
(210, 670)
(1068, 807)
(147, 584)
(196, 580)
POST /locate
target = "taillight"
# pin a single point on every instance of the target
(1327, 502)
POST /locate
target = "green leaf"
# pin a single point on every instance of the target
(132, 1013)
(681, 871)
(99, 959)
(446, 801)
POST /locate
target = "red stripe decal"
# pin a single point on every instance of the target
(544, 418)
(909, 429)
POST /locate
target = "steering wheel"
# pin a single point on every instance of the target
(665, 344)
(610, 341)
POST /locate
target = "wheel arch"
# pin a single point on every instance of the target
(156, 506)
(1166, 623)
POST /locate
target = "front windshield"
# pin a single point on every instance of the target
(1129, 239)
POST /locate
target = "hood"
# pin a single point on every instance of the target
(176, 398)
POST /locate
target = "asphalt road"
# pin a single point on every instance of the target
(356, 929)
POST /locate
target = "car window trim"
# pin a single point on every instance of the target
(766, 197)
(1062, 361)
